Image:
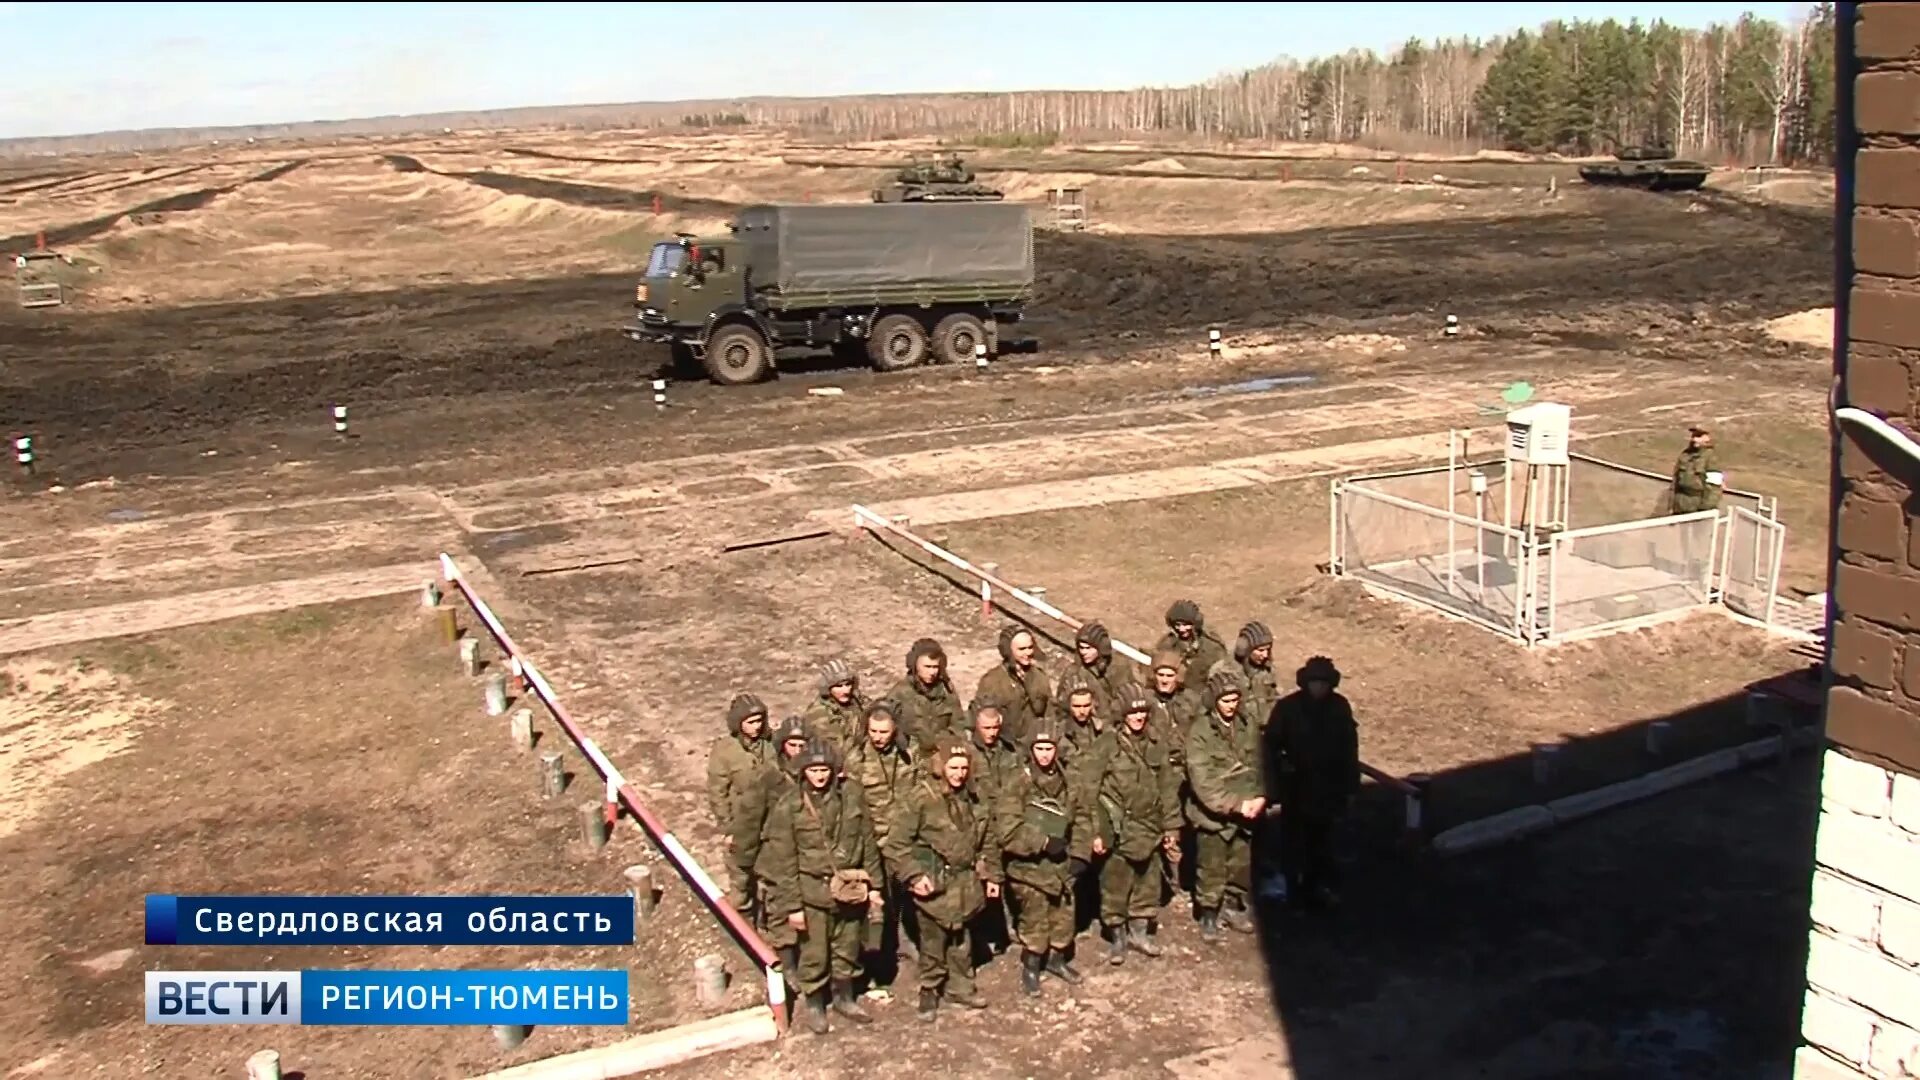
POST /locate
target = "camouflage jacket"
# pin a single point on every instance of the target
(775, 782)
(1172, 716)
(928, 714)
(1202, 653)
(1691, 491)
(948, 836)
(882, 775)
(1034, 806)
(1138, 793)
(991, 765)
(1262, 690)
(1024, 698)
(735, 771)
(839, 724)
(1223, 770)
(809, 835)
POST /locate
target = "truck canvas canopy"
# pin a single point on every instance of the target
(864, 246)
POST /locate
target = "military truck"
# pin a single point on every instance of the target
(1651, 167)
(894, 284)
(949, 181)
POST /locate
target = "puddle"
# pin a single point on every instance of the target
(1251, 386)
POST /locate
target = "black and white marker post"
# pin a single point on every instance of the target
(23, 453)
(340, 420)
(1213, 343)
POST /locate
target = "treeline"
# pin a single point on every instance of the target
(1753, 90)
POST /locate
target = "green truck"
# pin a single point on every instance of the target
(894, 285)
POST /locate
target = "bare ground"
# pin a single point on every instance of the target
(463, 311)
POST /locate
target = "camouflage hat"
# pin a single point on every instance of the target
(1045, 732)
(743, 706)
(1221, 684)
(834, 672)
(1095, 635)
(1184, 611)
(1252, 636)
(926, 646)
(790, 728)
(819, 752)
(1134, 699)
(1075, 681)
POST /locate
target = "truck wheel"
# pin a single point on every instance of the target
(737, 355)
(897, 342)
(956, 336)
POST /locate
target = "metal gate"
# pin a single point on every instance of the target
(1750, 564)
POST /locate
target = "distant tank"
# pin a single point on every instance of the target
(948, 181)
(1653, 168)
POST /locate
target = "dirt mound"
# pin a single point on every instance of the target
(1813, 327)
(1165, 164)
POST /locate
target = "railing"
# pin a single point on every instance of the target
(1612, 575)
(1459, 562)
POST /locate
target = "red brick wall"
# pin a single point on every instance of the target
(1873, 709)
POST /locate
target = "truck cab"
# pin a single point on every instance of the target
(686, 281)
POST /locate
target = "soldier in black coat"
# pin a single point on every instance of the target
(1312, 749)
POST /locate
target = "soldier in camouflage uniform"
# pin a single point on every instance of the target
(1228, 796)
(1697, 480)
(1253, 653)
(839, 713)
(1137, 815)
(818, 852)
(994, 759)
(1046, 831)
(1175, 705)
(1078, 718)
(1187, 634)
(790, 740)
(942, 848)
(1018, 685)
(882, 766)
(1312, 752)
(1093, 660)
(926, 705)
(737, 766)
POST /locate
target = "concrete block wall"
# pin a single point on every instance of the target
(1862, 1010)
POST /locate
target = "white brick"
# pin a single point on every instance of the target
(1856, 785)
(1865, 978)
(1840, 1028)
(1896, 1051)
(1906, 802)
(1811, 1064)
(1870, 851)
(1900, 930)
(1846, 908)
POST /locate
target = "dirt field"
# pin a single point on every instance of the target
(459, 296)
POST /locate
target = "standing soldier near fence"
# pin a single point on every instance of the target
(1018, 685)
(883, 765)
(926, 706)
(1228, 797)
(1093, 659)
(1078, 718)
(823, 879)
(1137, 814)
(838, 714)
(738, 764)
(1312, 752)
(942, 847)
(1697, 479)
(1187, 634)
(790, 741)
(1046, 831)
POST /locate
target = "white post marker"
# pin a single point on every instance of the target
(339, 419)
(1213, 342)
(659, 393)
(1453, 326)
(497, 694)
(23, 452)
(264, 1065)
(980, 356)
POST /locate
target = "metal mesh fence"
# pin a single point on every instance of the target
(1608, 493)
(1450, 563)
(1596, 579)
(1751, 554)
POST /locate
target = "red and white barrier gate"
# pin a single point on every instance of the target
(1413, 791)
(622, 794)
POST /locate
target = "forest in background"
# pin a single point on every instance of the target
(1752, 91)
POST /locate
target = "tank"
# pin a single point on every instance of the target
(946, 181)
(1652, 168)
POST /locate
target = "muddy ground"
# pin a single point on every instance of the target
(181, 411)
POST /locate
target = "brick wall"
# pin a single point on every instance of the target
(1862, 1012)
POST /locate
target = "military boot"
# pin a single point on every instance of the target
(1210, 925)
(929, 1004)
(1061, 968)
(970, 999)
(790, 967)
(817, 1012)
(846, 1005)
(1030, 965)
(1117, 943)
(1236, 916)
(1139, 934)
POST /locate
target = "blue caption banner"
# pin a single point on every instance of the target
(387, 998)
(389, 920)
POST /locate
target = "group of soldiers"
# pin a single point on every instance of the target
(864, 831)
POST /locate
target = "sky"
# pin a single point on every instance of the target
(76, 68)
